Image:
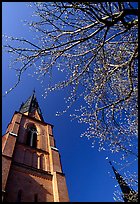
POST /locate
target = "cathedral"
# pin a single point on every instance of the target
(31, 165)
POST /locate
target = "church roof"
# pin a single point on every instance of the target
(30, 105)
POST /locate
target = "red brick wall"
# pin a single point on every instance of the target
(22, 175)
(7, 153)
(62, 188)
(5, 170)
(50, 131)
(21, 179)
(10, 145)
(56, 161)
(52, 141)
(32, 157)
(4, 139)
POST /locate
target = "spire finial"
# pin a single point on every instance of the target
(110, 163)
(33, 95)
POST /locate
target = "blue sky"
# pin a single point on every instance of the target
(85, 168)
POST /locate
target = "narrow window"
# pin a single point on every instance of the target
(36, 198)
(28, 138)
(19, 196)
(32, 137)
(34, 144)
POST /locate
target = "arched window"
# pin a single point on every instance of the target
(31, 136)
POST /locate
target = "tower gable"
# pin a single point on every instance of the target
(31, 108)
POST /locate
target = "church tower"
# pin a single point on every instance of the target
(31, 166)
(128, 194)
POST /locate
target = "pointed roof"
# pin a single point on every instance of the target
(129, 194)
(30, 105)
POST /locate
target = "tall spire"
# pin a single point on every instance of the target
(31, 105)
(129, 195)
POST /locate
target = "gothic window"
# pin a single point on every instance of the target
(31, 136)
(19, 196)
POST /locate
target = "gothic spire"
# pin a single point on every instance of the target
(31, 105)
(129, 195)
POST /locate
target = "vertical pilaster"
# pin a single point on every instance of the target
(59, 183)
(8, 147)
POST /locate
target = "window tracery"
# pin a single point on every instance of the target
(31, 136)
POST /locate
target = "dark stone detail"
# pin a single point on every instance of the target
(7, 157)
(61, 173)
(17, 122)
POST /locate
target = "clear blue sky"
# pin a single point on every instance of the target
(85, 168)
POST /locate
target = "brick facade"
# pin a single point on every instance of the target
(31, 174)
